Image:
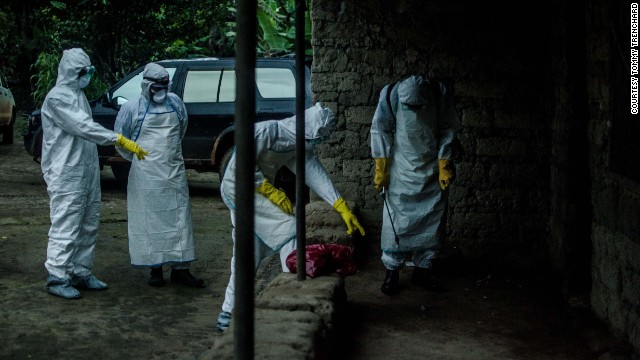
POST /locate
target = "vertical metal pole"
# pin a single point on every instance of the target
(301, 235)
(245, 153)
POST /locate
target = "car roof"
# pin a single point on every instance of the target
(222, 59)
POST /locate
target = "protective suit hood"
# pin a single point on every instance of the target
(73, 60)
(152, 71)
(415, 90)
(320, 122)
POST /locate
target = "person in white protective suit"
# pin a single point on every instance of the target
(412, 132)
(275, 223)
(72, 173)
(159, 212)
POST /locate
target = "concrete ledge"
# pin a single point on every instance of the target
(293, 319)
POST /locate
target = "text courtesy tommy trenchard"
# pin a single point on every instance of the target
(634, 58)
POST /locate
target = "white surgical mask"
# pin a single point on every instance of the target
(83, 82)
(160, 96)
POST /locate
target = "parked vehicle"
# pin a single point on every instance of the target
(7, 111)
(208, 88)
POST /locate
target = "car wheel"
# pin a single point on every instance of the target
(224, 162)
(7, 132)
(121, 172)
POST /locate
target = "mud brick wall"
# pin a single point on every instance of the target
(543, 180)
(498, 62)
(615, 294)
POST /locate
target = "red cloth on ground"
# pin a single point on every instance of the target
(322, 259)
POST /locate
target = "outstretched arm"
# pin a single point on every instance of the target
(318, 180)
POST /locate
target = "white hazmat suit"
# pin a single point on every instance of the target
(71, 170)
(414, 150)
(275, 229)
(159, 213)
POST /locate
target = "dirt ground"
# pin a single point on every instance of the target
(484, 315)
(130, 320)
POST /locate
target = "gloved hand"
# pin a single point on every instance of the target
(352, 223)
(445, 175)
(381, 177)
(129, 145)
(276, 196)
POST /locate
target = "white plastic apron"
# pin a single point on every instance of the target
(415, 200)
(160, 226)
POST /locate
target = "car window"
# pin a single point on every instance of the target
(207, 85)
(228, 86)
(210, 86)
(276, 83)
(131, 88)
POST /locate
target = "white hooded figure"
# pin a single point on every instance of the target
(72, 173)
(159, 212)
(275, 223)
(412, 132)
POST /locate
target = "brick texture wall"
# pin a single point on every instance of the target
(497, 62)
(615, 236)
(543, 180)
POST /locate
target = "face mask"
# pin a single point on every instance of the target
(85, 76)
(160, 96)
(84, 81)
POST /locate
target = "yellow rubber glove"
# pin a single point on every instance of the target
(129, 145)
(352, 223)
(276, 196)
(445, 175)
(381, 177)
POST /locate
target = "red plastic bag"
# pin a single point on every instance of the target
(322, 259)
(342, 260)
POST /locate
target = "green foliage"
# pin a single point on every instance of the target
(58, 4)
(272, 39)
(276, 23)
(9, 42)
(119, 36)
(180, 49)
(46, 68)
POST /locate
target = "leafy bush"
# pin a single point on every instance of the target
(120, 36)
(9, 41)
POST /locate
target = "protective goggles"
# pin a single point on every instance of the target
(158, 84)
(87, 71)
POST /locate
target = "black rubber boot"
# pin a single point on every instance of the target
(391, 283)
(422, 278)
(156, 278)
(183, 276)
